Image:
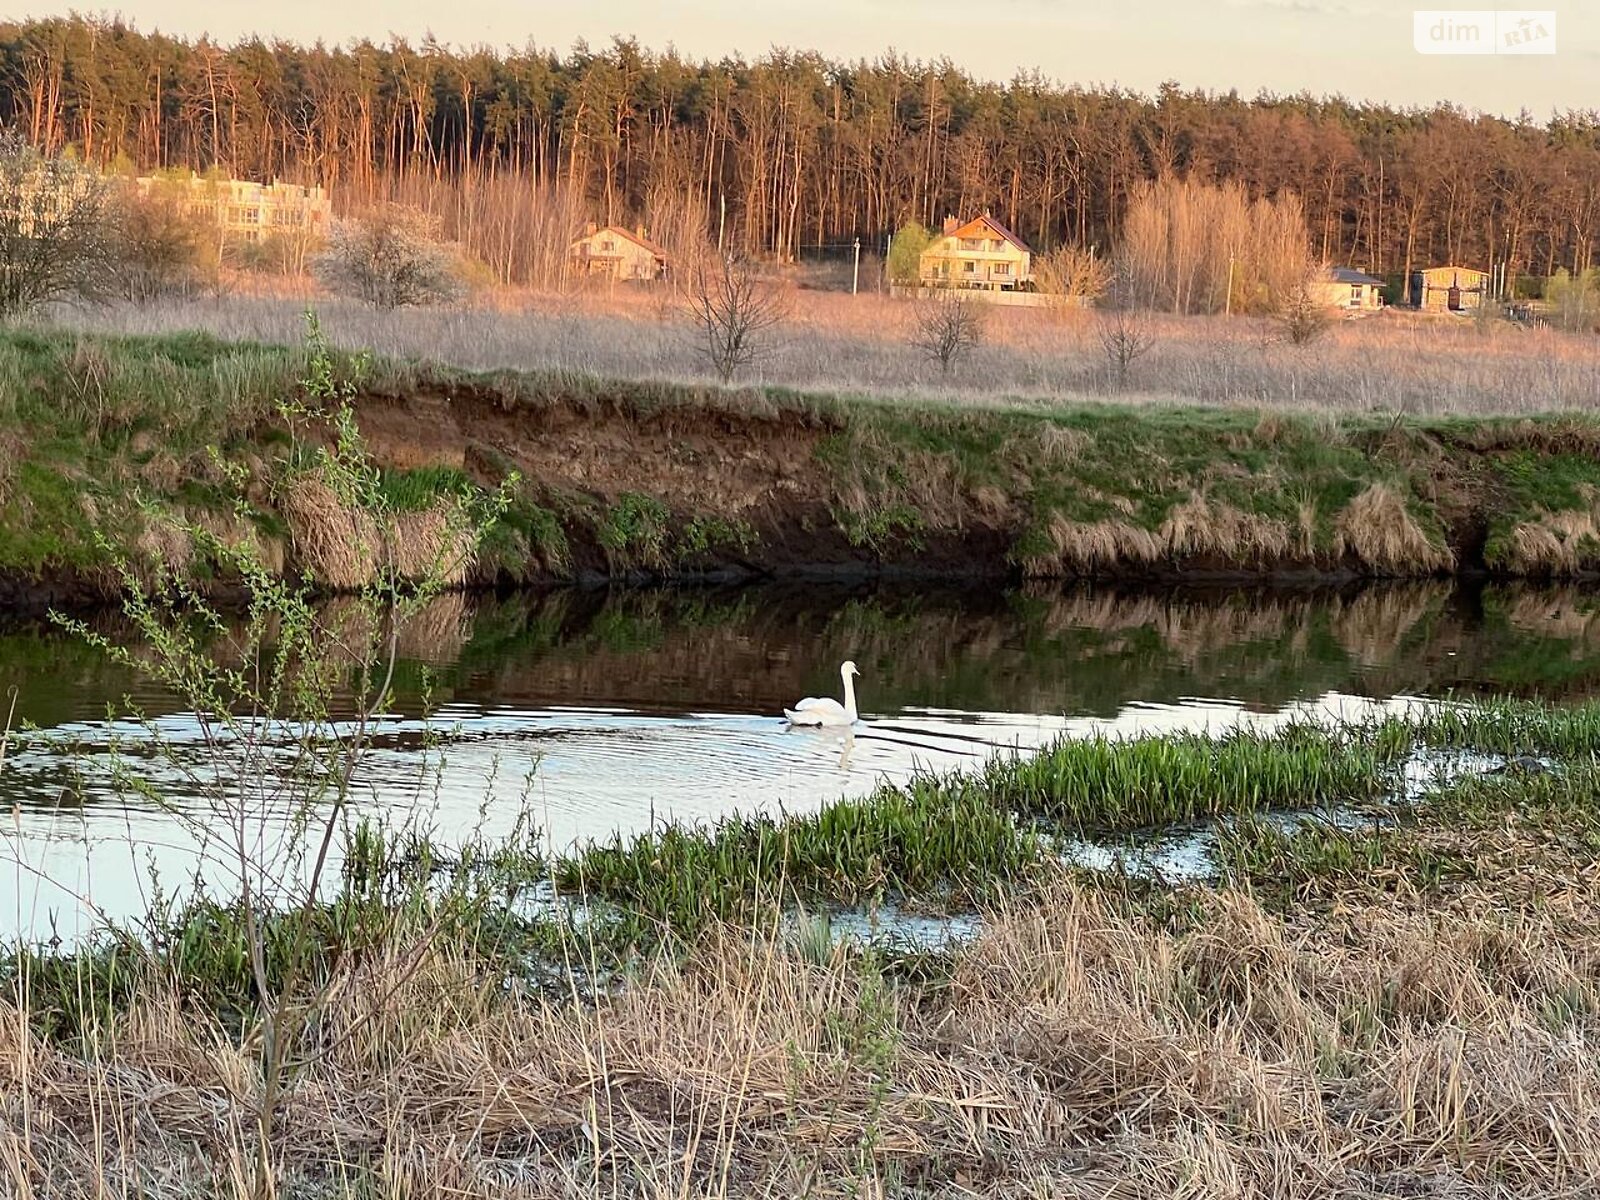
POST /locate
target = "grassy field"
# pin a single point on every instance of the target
(1396, 363)
(100, 436)
(1395, 1008)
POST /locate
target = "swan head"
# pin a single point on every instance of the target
(849, 668)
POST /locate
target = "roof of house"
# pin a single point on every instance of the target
(636, 238)
(1351, 275)
(1473, 271)
(994, 226)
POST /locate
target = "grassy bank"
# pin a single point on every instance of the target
(1365, 1012)
(101, 436)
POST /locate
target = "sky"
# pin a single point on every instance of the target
(1362, 49)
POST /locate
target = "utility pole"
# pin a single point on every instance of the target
(1227, 299)
(888, 244)
(855, 274)
(722, 218)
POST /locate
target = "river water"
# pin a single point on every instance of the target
(593, 712)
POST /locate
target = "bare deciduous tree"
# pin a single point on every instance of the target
(1191, 247)
(1074, 275)
(158, 247)
(391, 258)
(732, 309)
(1126, 337)
(1303, 313)
(1123, 323)
(947, 326)
(55, 241)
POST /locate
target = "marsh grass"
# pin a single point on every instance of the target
(1346, 1012)
(1514, 727)
(919, 842)
(962, 838)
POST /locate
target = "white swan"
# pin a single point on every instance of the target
(826, 710)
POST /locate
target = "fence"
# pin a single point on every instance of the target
(984, 296)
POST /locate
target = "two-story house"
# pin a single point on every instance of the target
(980, 253)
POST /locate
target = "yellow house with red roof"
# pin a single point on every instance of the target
(980, 253)
(617, 253)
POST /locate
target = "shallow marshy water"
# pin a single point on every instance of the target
(594, 712)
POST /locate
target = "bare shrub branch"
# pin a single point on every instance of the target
(1123, 323)
(391, 258)
(159, 248)
(1126, 337)
(1303, 314)
(733, 308)
(55, 240)
(946, 327)
(1073, 275)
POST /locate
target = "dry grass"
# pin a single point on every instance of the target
(343, 548)
(1060, 446)
(332, 541)
(1197, 529)
(1204, 528)
(1391, 363)
(1093, 547)
(1376, 528)
(1557, 543)
(1078, 1050)
(1379, 530)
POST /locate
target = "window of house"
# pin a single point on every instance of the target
(995, 245)
(971, 243)
(608, 245)
(971, 267)
(1002, 268)
(1355, 295)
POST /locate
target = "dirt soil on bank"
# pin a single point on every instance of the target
(817, 491)
(120, 443)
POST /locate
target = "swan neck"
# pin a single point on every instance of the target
(849, 695)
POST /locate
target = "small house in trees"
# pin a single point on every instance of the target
(980, 253)
(1352, 291)
(1448, 289)
(612, 252)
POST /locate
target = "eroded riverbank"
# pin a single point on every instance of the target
(113, 438)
